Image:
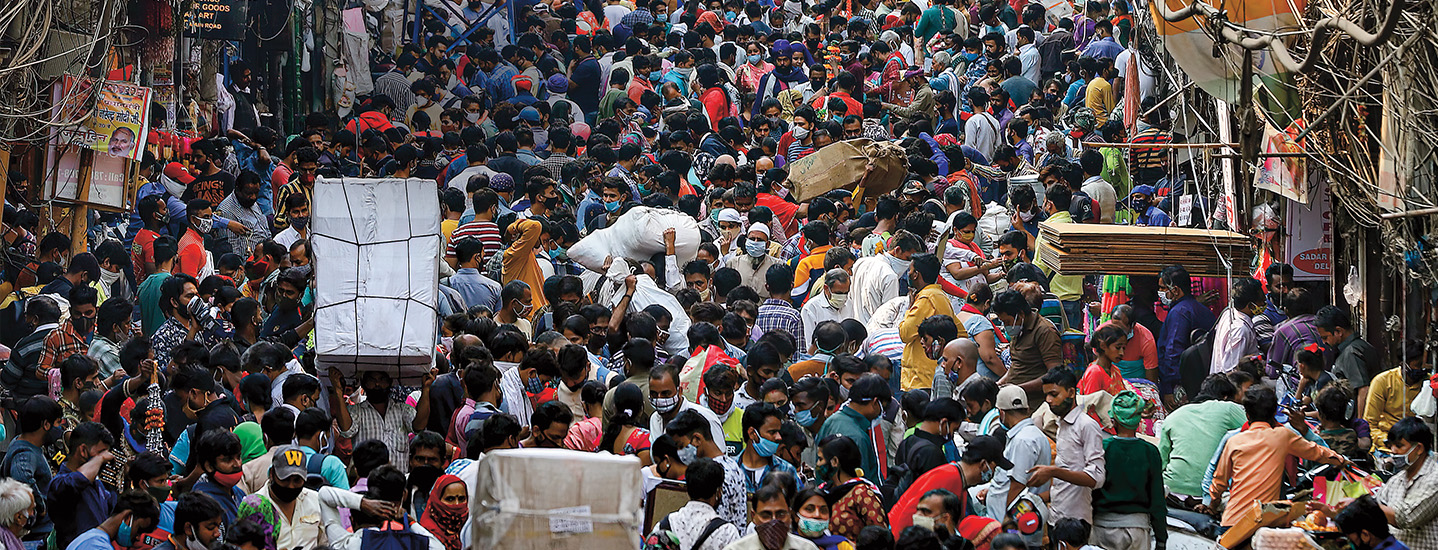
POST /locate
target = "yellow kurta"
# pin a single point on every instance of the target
(917, 370)
(520, 263)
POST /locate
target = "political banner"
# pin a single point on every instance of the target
(1284, 175)
(107, 116)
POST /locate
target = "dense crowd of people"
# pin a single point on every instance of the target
(844, 372)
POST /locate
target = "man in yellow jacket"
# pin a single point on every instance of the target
(916, 368)
(520, 263)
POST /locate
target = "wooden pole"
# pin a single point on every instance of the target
(80, 212)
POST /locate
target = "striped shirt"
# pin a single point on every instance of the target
(1149, 157)
(294, 186)
(886, 343)
(396, 86)
(252, 218)
(486, 231)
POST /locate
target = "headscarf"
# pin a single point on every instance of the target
(801, 47)
(259, 509)
(502, 182)
(1127, 409)
(252, 441)
(445, 520)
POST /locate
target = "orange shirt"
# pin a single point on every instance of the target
(1096, 379)
(1251, 466)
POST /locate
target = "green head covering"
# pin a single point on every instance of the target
(252, 441)
(1127, 409)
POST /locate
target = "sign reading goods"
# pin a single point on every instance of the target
(217, 19)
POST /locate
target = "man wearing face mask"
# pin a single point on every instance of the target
(1079, 465)
(212, 184)
(198, 523)
(73, 335)
(669, 402)
(78, 374)
(16, 496)
(242, 206)
(924, 450)
(383, 415)
(134, 513)
(312, 427)
(1388, 401)
(1233, 334)
(694, 442)
(982, 455)
(929, 299)
(697, 523)
(1033, 343)
(762, 422)
(1186, 315)
(295, 505)
(857, 421)
(77, 503)
(833, 306)
(1025, 446)
(876, 278)
(194, 260)
(940, 511)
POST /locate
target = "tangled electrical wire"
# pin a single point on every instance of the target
(26, 112)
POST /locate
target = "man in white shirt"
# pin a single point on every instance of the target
(385, 489)
(876, 278)
(1026, 447)
(981, 132)
(833, 305)
(1233, 334)
(296, 507)
(297, 211)
(668, 402)
(1098, 189)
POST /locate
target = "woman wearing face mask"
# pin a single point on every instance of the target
(748, 74)
(857, 503)
(15, 496)
(811, 520)
(447, 510)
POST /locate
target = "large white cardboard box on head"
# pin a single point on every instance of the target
(377, 247)
(553, 499)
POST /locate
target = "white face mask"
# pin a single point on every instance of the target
(838, 299)
(473, 118)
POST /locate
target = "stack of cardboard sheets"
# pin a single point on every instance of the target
(1079, 249)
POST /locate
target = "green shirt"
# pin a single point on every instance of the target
(151, 317)
(1188, 439)
(1134, 483)
(852, 424)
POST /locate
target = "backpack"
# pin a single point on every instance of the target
(663, 537)
(1194, 363)
(393, 537)
(314, 475)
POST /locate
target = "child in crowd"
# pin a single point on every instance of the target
(1336, 414)
(1312, 372)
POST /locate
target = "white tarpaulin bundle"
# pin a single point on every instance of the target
(519, 506)
(637, 235)
(377, 248)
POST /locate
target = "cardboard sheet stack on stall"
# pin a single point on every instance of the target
(1078, 249)
(377, 247)
(522, 505)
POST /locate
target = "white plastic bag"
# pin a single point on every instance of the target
(995, 221)
(1425, 405)
(638, 235)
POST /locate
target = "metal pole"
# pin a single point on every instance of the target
(1247, 130)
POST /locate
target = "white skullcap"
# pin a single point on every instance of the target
(730, 215)
(760, 228)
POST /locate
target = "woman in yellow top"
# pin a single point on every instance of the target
(520, 263)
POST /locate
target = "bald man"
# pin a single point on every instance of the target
(960, 365)
(763, 165)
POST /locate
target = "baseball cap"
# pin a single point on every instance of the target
(984, 447)
(529, 114)
(871, 386)
(288, 461)
(1012, 397)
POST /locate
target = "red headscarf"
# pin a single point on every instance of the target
(444, 520)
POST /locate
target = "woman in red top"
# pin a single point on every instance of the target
(623, 436)
(1103, 375)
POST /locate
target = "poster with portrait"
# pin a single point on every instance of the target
(105, 115)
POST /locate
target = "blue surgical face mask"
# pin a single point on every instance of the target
(754, 59)
(123, 536)
(654, 76)
(766, 448)
(756, 249)
(662, 18)
(970, 56)
(805, 418)
(612, 206)
(731, 15)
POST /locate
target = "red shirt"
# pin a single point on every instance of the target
(1096, 379)
(192, 254)
(948, 476)
(143, 251)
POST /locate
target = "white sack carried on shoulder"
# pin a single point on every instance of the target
(638, 235)
(646, 293)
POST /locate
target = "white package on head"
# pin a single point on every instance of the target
(377, 246)
(638, 235)
(520, 507)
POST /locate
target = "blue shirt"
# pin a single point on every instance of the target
(94, 539)
(475, 288)
(76, 504)
(27, 465)
(249, 159)
(1106, 48)
(333, 469)
(1184, 317)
